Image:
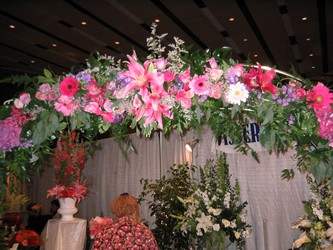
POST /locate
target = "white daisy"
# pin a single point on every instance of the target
(237, 93)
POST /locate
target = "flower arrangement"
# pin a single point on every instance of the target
(124, 233)
(213, 211)
(70, 156)
(173, 88)
(27, 239)
(200, 212)
(317, 224)
(161, 196)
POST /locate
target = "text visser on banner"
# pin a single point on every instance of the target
(250, 135)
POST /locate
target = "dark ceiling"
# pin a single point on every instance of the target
(49, 33)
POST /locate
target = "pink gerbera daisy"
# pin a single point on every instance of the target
(69, 86)
(199, 85)
(319, 97)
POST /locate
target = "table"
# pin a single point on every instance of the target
(60, 235)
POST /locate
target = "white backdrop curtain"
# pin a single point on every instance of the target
(274, 204)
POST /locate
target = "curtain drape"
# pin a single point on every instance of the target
(274, 204)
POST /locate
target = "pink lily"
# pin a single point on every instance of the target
(55, 191)
(138, 75)
(153, 110)
(185, 98)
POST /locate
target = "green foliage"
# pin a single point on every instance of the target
(216, 202)
(168, 200)
(45, 126)
(163, 202)
(288, 174)
(20, 80)
(14, 203)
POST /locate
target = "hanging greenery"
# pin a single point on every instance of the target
(174, 88)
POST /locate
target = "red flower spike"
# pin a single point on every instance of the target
(70, 156)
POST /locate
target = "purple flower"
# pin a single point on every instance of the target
(285, 102)
(291, 120)
(284, 89)
(26, 144)
(202, 98)
(232, 79)
(119, 118)
(84, 77)
(122, 81)
(9, 136)
(279, 101)
(178, 80)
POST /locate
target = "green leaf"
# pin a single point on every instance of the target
(37, 136)
(47, 73)
(103, 127)
(269, 115)
(54, 121)
(62, 126)
(288, 174)
(208, 114)
(74, 122)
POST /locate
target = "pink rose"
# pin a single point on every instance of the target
(65, 105)
(93, 107)
(169, 76)
(300, 93)
(22, 101)
(25, 98)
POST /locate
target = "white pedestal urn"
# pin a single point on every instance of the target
(67, 208)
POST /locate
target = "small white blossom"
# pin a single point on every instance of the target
(204, 222)
(214, 198)
(226, 223)
(226, 201)
(216, 227)
(329, 232)
(237, 234)
(319, 213)
(246, 233)
(233, 224)
(199, 233)
(214, 211)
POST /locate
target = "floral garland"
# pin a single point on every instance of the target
(124, 233)
(171, 89)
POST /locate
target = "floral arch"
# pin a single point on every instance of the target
(171, 89)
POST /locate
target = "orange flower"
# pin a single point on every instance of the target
(25, 243)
